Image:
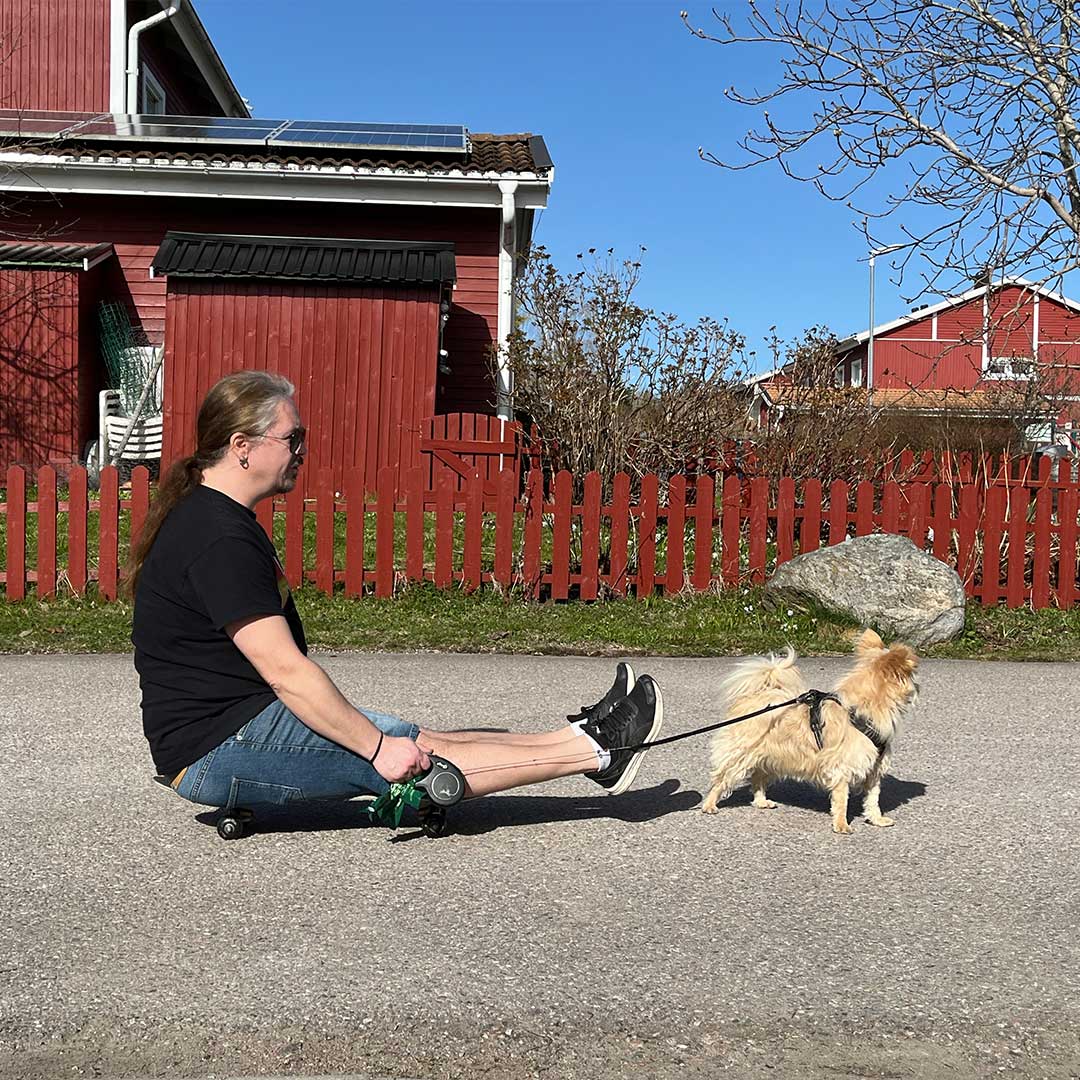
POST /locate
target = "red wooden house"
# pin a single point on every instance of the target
(1011, 345)
(371, 264)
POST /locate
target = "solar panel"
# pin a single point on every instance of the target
(231, 130)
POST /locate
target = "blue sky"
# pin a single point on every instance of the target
(623, 96)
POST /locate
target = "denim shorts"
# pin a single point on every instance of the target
(276, 759)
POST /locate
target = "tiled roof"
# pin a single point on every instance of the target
(219, 255)
(992, 400)
(59, 256)
(522, 153)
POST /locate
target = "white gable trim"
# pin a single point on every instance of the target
(972, 294)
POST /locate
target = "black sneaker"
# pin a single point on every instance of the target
(633, 721)
(623, 684)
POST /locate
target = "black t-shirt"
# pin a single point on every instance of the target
(210, 565)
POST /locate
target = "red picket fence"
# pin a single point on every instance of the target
(1012, 543)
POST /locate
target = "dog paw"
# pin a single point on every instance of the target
(765, 804)
(882, 822)
(842, 827)
(708, 809)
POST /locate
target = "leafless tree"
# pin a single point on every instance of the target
(968, 107)
(612, 385)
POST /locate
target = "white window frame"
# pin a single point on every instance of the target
(151, 87)
(1005, 369)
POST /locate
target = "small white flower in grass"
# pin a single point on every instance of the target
(790, 612)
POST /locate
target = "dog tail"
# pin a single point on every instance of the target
(762, 675)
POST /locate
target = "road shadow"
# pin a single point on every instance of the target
(894, 793)
(477, 816)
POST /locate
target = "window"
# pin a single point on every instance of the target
(153, 95)
(1009, 367)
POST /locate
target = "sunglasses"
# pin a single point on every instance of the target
(296, 439)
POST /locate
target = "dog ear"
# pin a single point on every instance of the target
(868, 642)
(899, 663)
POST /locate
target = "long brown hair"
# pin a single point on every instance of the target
(244, 401)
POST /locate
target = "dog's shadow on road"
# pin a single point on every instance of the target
(894, 793)
(478, 816)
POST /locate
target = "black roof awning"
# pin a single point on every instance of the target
(52, 256)
(299, 258)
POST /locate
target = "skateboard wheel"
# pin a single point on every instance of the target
(230, 828)
(434, 822)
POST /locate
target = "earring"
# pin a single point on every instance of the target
(243, 463)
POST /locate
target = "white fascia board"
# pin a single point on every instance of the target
(29, 173)
(201, 50)
(955, 301)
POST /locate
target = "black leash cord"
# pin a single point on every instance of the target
(813, 698)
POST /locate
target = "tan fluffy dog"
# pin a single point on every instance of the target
(780, 745)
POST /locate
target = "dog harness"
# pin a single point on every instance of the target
(862, 723)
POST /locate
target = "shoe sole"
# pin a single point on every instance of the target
(631, 770)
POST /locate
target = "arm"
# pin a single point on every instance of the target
(305, 689)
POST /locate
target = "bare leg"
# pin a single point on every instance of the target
(758, 781)
(491, 766)
(871, 806)
(839, 809)
(507, 738)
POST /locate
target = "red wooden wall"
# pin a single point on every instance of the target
(54, 54)
(362, 359)
(45, 369)
(135, 226)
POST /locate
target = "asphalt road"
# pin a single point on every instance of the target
(558, 932)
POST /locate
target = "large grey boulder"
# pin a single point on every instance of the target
(881, 580)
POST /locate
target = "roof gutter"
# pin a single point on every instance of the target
(131, 99)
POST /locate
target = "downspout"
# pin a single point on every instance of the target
(507, 248)
(132, 98)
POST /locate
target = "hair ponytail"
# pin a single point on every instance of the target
(244, 401)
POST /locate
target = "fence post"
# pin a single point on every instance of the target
(839, 494)
(533, 533)
(704, 512)
(1017, 551)
(385, 505)
(620, 532)
(324, 532)
(46, 538)
(16, 534)
(759, 527)
(472, 564)
(1066, 576)
(1040, 566)
(810, 529)
(785, 520)
(294, 538)
(355, 495)
(108, 532)
(590, 537)
(864, 508)
(504, 526)
(560, 540)
(414, 524)
(730, 530)
(445, 491)
(647, 516)
(78, 514)
(993, 529)
(675, 547)
(140, 500)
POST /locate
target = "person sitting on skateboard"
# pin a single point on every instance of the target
(235, 711)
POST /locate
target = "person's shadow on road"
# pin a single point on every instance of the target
(476, 816)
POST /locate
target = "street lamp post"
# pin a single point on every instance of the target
(870, 338)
